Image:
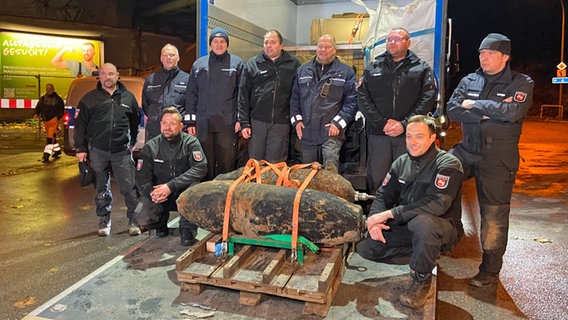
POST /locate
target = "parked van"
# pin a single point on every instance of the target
(78, 88)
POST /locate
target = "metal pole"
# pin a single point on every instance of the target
(38, 77)
(561, 56)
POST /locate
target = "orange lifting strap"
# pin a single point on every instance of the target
(251, 165)
(252, 171)
(296, 210)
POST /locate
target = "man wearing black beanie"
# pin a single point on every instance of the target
(491, 104)
(219, 33)
(211, 104)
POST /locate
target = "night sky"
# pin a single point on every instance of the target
(534, 27)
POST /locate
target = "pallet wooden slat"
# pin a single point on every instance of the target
(257, 270)
(231, 267)
(274, 266)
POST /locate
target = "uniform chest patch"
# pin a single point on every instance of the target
(197, 156)
(520, 96)
(139, 164)
(442, 181)
(387, 179)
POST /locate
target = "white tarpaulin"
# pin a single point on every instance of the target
(418, 17)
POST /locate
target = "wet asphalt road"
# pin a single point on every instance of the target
(49, 242)
(48, 226)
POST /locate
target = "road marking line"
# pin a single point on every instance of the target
(74, 287)
(83, 281)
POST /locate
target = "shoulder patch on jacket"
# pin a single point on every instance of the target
(387, 179)
(442, 181)
(197, 156)
(520, 96)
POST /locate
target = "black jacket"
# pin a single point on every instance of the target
(164, 88)
(315, 108)
(397, 91)
(429, 184)
(179, 163)
(265, 89)
(212, 89)
(50, 106)
(492, 128)
(107, 122)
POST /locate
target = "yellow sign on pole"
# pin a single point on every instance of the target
(561, 73)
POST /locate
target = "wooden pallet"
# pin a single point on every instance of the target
(256, 270)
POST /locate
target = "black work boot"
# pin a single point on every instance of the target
(187, 237)
(45, 157)
(56, 154)
(484, 279)
(162, 232)
(420, 290)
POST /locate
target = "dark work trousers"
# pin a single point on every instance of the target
(381, 152)
(167, 206)
(423, 238)
(269, 141)
(311, 154)
(220, 150)
(122, 166)
(494, 183)
(324, 153)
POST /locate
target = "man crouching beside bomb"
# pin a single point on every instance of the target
(417, 210)
(169, 164)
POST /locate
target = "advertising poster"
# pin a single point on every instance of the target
(29, 61)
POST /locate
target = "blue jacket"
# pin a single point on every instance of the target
(164, 88)
(317, 106)
(212, 90)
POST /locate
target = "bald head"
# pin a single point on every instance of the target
(108, 76)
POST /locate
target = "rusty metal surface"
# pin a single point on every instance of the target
(258, 209)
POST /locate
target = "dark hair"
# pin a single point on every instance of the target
(280, 40)
(429, 121)
(171, 110)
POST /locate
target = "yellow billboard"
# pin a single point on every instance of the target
(29, 61)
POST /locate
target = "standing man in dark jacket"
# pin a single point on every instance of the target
(105, 131)
(50, 108)
(211, 103)
(169, 164)
(395, 86)
(164, 88)
(264, 100)
(417, 210)
(323, 103)
(491, 105)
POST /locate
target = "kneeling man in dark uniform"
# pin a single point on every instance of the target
(417, 210)
(169, 164)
